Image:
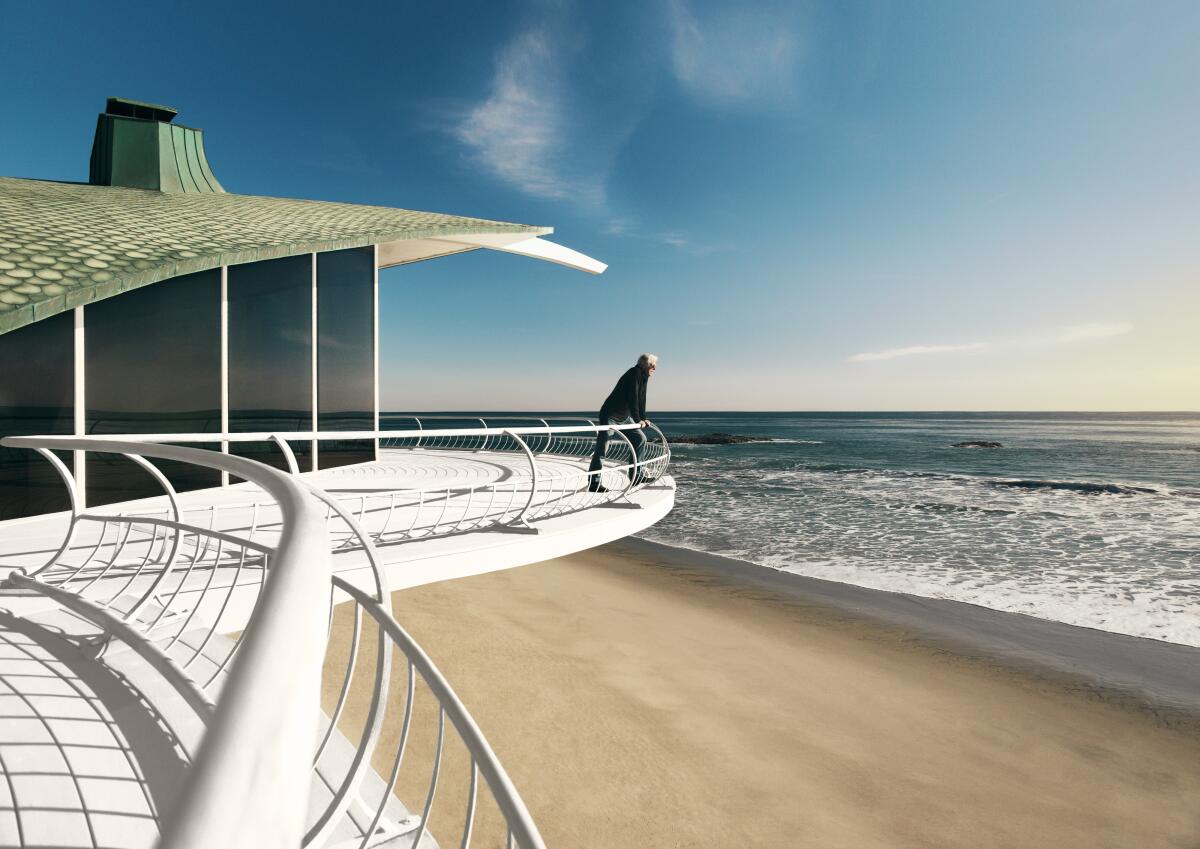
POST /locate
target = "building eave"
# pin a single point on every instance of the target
(64, 245)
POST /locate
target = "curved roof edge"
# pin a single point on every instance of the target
(404, 252)
(64, 245)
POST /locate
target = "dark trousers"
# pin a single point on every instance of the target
(636, 438)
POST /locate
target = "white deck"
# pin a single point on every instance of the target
(93, 750)
(410, 562)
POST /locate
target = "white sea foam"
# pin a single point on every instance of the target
(1118, 556)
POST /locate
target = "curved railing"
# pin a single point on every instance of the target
(557, 479)
(551, 475)
(361, 670)
(167, 590)
(173, 590)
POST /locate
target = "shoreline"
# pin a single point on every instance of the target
(640, 695)
(1157, 677)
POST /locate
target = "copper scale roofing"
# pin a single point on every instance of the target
(67, 244)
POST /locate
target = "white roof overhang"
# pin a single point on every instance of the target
(414, 250)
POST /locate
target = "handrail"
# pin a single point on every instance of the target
(267, 696)
(249, 783)
(557, 482)
(104, 440)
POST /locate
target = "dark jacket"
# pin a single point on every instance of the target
(628, 398)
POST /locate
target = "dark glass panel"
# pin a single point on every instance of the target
(153, 365)
(346, 353)
(271, 454)
(112, 478)
(37, 396)
(270, 354)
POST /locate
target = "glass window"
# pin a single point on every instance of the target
(37, 396)
(346, 353)
(153, 365)
(270, 354)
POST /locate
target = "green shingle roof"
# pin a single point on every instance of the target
(67, 244)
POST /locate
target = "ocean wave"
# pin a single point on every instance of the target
(797, 441)
(1087, 525)
(942, 507)
(1083, 487)
(1152, 606)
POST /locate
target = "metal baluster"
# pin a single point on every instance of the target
(103, 533)
(405, 725)
(111, 562)
(470, 817)
(350, 664)
(262, 580)
(68, 480)
(433, 779)
(203, 593)
(417, 514)
(487, 511)
(387, 519)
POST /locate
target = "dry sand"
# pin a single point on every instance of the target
(638, 703)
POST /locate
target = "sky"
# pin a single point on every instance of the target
(804, 205)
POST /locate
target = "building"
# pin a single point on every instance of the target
(151, 300)
(150, 309)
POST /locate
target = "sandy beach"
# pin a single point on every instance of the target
(640, 697)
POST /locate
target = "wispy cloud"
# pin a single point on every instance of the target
(1056, 337)
(912, 350)
(1097, 330)
(735, 53)
(519, 132)
(625, 228)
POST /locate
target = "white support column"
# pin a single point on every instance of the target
(224, 366)
(315, 408)
(375, 366)
(79, 458)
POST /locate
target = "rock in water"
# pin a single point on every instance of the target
(977, 443)
(717, 439)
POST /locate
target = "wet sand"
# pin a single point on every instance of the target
(642, 696)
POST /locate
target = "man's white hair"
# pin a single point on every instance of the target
(648, 359)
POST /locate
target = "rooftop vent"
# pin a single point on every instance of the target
(136, 145)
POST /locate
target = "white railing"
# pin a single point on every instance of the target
(552, 479)
(173, 590)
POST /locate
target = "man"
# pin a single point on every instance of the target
(624, 405)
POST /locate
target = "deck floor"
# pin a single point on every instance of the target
(434, 489)
(85, 762)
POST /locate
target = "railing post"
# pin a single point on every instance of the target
(633, 458)
(485, 436)
(533, 482)
(288, 454)
(664, 460)
(72, 493)
(157, 474)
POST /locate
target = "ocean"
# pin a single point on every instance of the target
(1091, 519)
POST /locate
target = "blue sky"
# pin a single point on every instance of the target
(804, 205)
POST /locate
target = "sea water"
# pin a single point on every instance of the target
(1087, 518)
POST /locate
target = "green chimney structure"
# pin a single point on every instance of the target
(138, 146)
